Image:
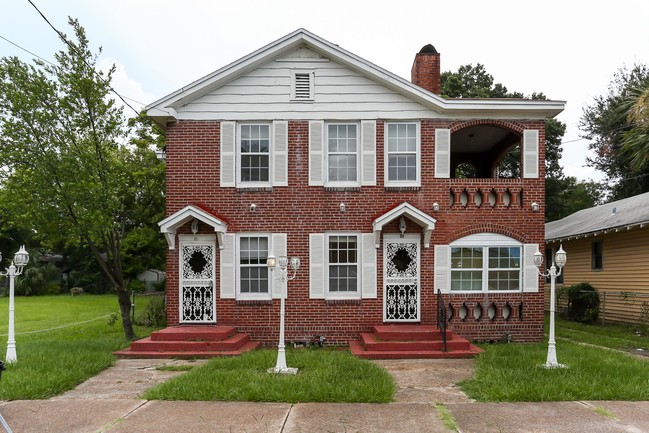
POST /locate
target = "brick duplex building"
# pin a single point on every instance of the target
(304, 149)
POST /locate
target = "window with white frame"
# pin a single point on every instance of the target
(486, 268)
(254, 153)
(253, 278)
(402, 153)
(342, 154)
(342, 264)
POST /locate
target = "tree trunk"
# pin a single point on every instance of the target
(125, 309)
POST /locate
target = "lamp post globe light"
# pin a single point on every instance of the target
(559, 262)
(21, 258)
(281, 264)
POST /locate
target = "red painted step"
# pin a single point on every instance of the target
(410, 342)
(190, 342)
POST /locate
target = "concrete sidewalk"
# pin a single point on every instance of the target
(109, 403)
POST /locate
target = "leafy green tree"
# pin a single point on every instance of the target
(65, 153)
(618, 134)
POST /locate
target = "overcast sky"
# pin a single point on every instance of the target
(567, 51)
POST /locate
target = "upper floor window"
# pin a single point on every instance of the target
(254, 153)
(342, 154)
(484, 268)
(402, 154)
(253, 278)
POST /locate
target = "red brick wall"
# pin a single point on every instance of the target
(193, 178)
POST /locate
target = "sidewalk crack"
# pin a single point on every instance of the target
(286, 418)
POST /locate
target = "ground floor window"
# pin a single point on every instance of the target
(342, 253)
(484, 268)
(253, 272)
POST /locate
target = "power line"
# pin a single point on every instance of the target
(54, 65)
(73, 48)
(27, 51)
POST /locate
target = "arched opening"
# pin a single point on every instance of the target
(485, 151)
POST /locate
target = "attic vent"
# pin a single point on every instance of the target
(302, 85)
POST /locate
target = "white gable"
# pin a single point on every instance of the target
(262, 78)
(339, 93)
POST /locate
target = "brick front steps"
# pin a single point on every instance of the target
(190, 342)
(410, 342)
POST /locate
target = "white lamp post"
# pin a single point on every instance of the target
(21, 258)
(560, 259)
(282, 263)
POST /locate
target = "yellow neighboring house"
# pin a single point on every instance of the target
(608, 246)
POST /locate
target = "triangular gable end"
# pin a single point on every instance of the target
(169, 225)
(165, 109)
(426, 221)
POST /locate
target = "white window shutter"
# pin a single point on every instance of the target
(530, 153)
(442, 153)
(280, 153)
(228, 154)
(442, 268)
(530, 271)
(316, 153)
(228, 271)
(368, 269)
(316, 265)
(278, 247)
(368, 153)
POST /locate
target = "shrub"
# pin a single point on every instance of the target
(39, 280)
(155, 313)
(136, 285)
(582, 302)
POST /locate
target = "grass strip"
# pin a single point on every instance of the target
(514, 372)
(325, 375)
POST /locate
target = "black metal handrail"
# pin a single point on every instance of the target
(441, 318)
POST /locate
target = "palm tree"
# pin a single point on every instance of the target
(635, 141)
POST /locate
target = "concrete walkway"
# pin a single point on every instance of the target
(110, 402)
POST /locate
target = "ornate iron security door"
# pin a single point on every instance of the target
(197, 292)
(401, 278)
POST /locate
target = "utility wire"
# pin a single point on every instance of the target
(73, 48)
(54, 65)
(27, 51)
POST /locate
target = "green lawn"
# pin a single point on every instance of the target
(611, 335)
(513, 372)
(78, 343)
(325, 375)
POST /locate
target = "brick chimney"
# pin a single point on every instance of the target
(426, 69)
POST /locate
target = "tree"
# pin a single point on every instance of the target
(619, 134)
(635, 140)
(65, 154)
(564, 195)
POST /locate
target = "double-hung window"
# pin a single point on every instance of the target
(402, 146)
(342, 154)
(484, 268)
(253, 278)
(254, 154)
(343, 265)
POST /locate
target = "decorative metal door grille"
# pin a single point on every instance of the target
(197, 302)
(402, 281)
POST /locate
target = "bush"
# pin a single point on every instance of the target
(136, 285)
(582, 302)
(39, 280)
(155, 313)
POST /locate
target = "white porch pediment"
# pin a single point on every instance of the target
(426, 221)
(169, 225)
